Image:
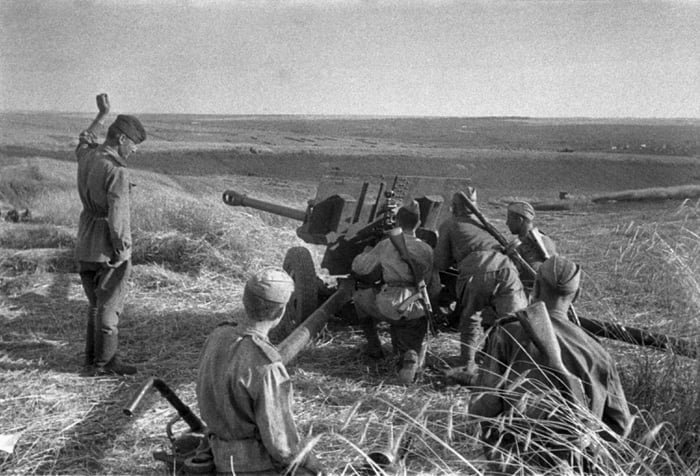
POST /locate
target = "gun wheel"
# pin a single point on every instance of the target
(299, 264)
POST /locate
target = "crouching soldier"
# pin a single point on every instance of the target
(244, 391)
(534, 357)
(533, 245)
(397, 300)
(488, 286)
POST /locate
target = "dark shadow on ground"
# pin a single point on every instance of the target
(49, 337)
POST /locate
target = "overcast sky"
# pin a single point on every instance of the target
(384, 57)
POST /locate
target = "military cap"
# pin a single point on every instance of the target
(408, 215)
(523, 209)
(130, 126)
(271, 284)
(411, 208)
(560, 274)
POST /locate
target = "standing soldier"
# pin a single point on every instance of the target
(103, 247)
(488, 285)
(534, 246)
(244, 391)
(397, 301)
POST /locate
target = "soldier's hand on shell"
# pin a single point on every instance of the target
(115, 264)
(512, 246)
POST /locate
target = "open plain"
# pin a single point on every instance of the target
(641, 263)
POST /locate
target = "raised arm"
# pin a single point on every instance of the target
(103, 110)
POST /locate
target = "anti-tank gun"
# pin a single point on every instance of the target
(348, 214)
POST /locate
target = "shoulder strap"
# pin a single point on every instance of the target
(267, 348)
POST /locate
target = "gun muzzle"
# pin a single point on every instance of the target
(138, 396)
(236, 199)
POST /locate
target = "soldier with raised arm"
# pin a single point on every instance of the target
(103, 247)
(244, 391)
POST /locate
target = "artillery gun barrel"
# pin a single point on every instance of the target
(297, 340)
(641, 337)
(235, 199)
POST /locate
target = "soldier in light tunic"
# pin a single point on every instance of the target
(396, 300)
(244, 391)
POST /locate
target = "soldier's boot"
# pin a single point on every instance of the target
(409, 367)
(107, 362)
(469, 337)
(116, 367)
(374, 344)
(90, 338)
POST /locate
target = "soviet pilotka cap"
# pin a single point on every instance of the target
(561, 274)
(271, 284)
(523, 209)
(410, 208)
(130, 126)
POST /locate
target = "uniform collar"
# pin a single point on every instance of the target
(252, 331)
(558, 314)
(112, 152)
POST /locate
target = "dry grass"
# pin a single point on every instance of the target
(192, 254)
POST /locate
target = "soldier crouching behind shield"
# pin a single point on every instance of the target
(488, 286)
(396, 300)
(244, 391)
(524, 425)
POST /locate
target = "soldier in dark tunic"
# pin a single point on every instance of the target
(513, 392)
(244, 391)
(103, 247)
(488, 285)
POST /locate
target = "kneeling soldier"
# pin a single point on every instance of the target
(397, 301)
(244, 391)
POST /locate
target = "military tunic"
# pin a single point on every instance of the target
(513, 369)
(245, 398)
(397, 300)
(104, 236)
(488, 280)
(104, 229)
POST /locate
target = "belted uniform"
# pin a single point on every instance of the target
(397, 300)
(245, 398)
(104, 235)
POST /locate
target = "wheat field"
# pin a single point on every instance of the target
(192, 254)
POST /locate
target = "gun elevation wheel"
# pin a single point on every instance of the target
(299, 264)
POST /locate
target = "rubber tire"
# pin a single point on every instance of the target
(299, 264)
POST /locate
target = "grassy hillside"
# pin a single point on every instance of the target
(192, 255)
